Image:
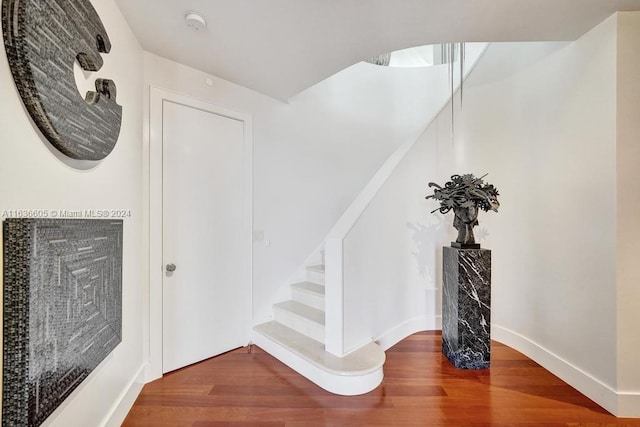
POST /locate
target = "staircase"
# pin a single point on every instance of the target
(296, 337)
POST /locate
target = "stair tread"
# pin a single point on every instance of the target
(360, 362)
(302, 310)
(314, 288)
(318, 268)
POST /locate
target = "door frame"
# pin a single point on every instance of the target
(157, 98)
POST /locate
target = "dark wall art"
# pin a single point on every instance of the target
(62, 310)
(43, 38)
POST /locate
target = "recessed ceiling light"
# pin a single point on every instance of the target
(195, 21)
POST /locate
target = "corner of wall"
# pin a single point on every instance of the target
(628, 211)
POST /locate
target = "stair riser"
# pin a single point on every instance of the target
(295, 322)
(315, 277)
(312, 300)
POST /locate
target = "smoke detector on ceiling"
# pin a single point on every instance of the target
(195, 21)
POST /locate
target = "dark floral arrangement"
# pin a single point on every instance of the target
(465, 195)
(465, 191)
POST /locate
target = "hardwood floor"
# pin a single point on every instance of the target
(420, 388)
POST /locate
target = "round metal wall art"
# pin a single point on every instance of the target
(43, 38)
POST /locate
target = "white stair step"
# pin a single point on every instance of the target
(311, 294)
(301, 318)
(357, 373)
(315, 274)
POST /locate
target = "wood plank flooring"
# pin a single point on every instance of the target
(420, 388)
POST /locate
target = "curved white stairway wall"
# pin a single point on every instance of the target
(353, 318)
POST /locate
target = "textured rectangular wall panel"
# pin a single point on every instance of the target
(62, 310)
(466, 307)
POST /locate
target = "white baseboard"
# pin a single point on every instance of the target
(409, 327)
(628, 405)
(125, 401)
(596, 390)
(438, 321)
(620, 404)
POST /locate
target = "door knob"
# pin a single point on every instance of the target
(171, 267)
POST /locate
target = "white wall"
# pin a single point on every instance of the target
(390, 260)
(546, 133)
(33, 177)
(540, 118)
(311, 156)
(354, 314)
(628, 213)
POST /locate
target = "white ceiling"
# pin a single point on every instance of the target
(281, 47)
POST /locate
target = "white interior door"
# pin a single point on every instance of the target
(204, 219)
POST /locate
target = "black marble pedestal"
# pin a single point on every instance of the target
(466, 307)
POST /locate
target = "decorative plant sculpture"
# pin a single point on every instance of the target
(465, 195)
